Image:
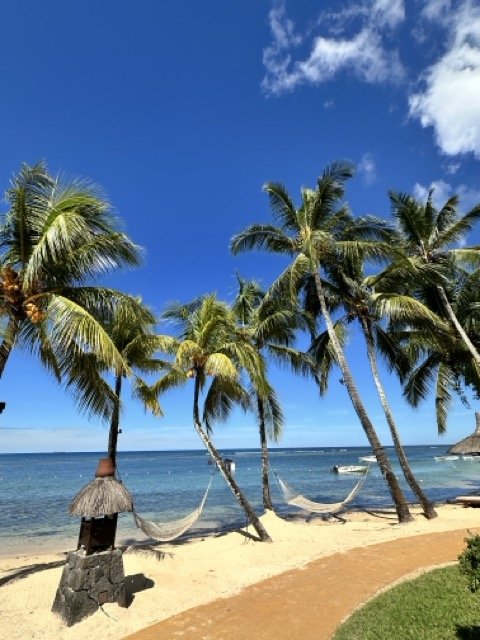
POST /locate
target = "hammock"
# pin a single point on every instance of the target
(295, 499)
(166, 531)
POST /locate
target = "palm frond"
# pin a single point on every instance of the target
(405, 309)
(71, 324)
(262, 236)
(447, 214)
(92, 394)
(457, 229)
(282, 206)
(420, 381)
(220, 365)
(222, 395)
(392, 352)
(175, 377)
(147, 396)
(273, 416)
(297, 361)
(187, 352)
(443, 397)
(469, 256)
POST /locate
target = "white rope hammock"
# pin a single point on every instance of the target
(295, 499)
(166, 531)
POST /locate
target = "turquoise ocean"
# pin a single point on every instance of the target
(36, 489)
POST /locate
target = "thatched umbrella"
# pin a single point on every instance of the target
(471, 444)
(103, 496)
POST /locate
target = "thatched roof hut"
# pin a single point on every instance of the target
(104, 496)
(471, 444)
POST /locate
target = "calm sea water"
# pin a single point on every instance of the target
(36, 489)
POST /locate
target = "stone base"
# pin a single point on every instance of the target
(87, 582)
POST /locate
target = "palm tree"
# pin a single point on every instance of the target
(425, 253)
(347, 288)
(210, 345)
(131, 329)
(440, 359)
(55, 236)
(270, 327)
(132, 332)
(310, 233)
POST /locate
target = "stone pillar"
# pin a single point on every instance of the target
(87, 582)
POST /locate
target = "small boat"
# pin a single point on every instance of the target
(368, 459)
(349, 468)
(445, 458)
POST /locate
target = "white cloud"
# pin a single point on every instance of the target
(389, 13)
(451, 95)
(452, 167)
(365, 53)
(367, 168)
(436, 10)
(442, 191)
(328, 104)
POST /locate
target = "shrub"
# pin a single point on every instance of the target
(470, 562)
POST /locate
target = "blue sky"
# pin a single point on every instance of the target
(181, 111)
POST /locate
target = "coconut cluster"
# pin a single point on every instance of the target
(33, 312)
(13, 293)
(11, 286)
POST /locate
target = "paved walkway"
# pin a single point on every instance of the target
(309, 603)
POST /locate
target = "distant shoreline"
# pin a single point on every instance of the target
(229, 450)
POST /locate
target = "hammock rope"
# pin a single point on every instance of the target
(295, 499)
(167, 531)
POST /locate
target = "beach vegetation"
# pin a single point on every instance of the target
(56, 236)
(469, 562)
(434, 606)
(131, 327)
(441, 363)
(270, 325)
(347, 288)
(433, 266)
(315, 233)
(210, 350)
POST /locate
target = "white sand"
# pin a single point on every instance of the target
(198, 572)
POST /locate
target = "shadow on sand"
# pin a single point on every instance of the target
(134, 584)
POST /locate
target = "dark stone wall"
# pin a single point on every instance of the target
(87, 582)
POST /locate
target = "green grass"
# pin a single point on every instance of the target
(435, 606)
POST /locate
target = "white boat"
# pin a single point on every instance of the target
(368, 459)
(445, 458)
(349, 468)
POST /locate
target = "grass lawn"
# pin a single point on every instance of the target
(435, 606)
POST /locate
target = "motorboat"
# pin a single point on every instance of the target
(445, 458)
(368, 458)
(349, 468)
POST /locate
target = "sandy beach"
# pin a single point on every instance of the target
(185, 575)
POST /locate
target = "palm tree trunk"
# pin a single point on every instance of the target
(460, 330)
(218, 460)
(8, 343)
(401, 506)
(267, 498)
(115, 421)
(427, 506)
